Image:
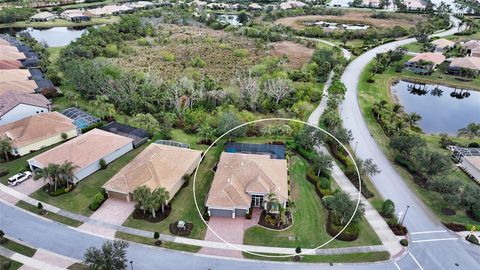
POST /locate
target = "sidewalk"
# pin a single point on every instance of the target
(32, 263)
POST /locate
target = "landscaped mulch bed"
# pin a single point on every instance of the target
(398, 229)
(147, 216)
(263, 223)
(448, 212)
(456, 227)
(179, 231)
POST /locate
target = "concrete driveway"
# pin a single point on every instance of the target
(29, 186)
(112, 211)
(231, 230)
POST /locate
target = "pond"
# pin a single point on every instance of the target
(53, 37)
(337, 26)
(443, 109)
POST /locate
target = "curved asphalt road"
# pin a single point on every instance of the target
(437, 248)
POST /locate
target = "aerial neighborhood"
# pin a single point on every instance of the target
(239, 134)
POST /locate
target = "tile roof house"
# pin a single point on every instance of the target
(471, 164)
(15, 105)
(27, 87)
(38, 131)
(424, 63)
(156, 166)
(74, 15)
(441, 44)
(470, 63)
(242, 181)
(7, 75)
(85, 152)
(42, 17)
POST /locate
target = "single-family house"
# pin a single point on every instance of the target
(243, 181)
(414, 4)
(74, 15)
(42, 17)
(254, 6)
(371, 3)
(86, 152)
(424, 63)
(442, 44)
(7, 75)
(472, 47)
(138, 135)
(140, 5)
(465, 66)
(15, 105)
(157, 166)
(471, 165)
(291, 4)
(38, 131)
(27, 87)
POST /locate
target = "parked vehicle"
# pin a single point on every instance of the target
(19, 178)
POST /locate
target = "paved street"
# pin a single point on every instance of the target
(432, 248)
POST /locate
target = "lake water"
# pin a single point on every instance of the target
(334, 26)
(53, 37)
(443, 109)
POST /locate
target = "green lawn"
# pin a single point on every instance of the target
(49, 215)
(342, 258)
(14, 265)
(309, 219)
(77, 201)
(373, 92)
(151, 242)
(60, 23)
(183, 206)
(19, 248)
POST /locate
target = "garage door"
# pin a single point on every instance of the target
(220, 213)
(116, 195)
(240, 212)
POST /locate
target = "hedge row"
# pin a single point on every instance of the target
(349, 234)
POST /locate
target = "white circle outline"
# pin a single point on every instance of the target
(310, 252)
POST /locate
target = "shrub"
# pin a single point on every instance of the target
(472, 239)
(298, 250)
(156, 235)
(474, 145)
(186, 179)
(166, 56)
(40, 205)
(97, 201)
(143, 42)
(4, 172)
(270, 220)
(475, 211)
(388, 208)
(6, 265)
(349, 234)
(326, 200)
(198, 62)
(103, 164)
(324, 183)
(64, 136)
(404, 242)
(111, 51)
(241, 53)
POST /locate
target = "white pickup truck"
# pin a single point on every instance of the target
(19, 178)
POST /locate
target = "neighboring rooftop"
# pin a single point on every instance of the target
(81, 118)
(275, 151)
(12, 98)
(7, 75)
(42, 16)
(443, 43)
(471, 44)
(435, 58)
(84, 150)
(466, 62)
(36, 128)
(156, 166)
(239, 174)
(138, 135)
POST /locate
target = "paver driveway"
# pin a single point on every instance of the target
(231, 230)
(29, 186)
(112, 211)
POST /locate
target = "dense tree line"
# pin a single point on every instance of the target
(13, 14)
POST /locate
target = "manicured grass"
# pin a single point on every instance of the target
(78, 266)
(49, 215)
(60, 23)
(14, 264)
(341, 258)
(77, 201)
(309, 218)
(18, 248)
(183, 205)
(20, 164)
(370, 93)
(151, 242)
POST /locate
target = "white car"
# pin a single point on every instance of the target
(19, 178)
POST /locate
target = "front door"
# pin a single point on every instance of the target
(257, 200)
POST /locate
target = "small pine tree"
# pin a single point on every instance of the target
(156, 235)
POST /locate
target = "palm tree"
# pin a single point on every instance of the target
(49, 174)
(140, 194)
(5, 147)
(163, 196)
(471, 131)
(72, 97)
(272, 201)
(66, 172)
(413, 118)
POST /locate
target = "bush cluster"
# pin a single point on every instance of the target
(97, 201)
(351, 233)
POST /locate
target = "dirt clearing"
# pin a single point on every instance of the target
(296, 53)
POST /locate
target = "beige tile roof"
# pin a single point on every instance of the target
(443, 43)
(36, 128)
(436, 58)
(238, 174)
(8, 52)
(12, 98)
(471, 44)
(156, 166)
(42, 15)
(4, 42)
(21, 86)
(7, 75)
(466, 62)
(84, 150)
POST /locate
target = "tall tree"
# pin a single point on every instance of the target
(111, 256)
(50, 174)
(471, 131)
(146, 121)
(140, 195)
(5, 147)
